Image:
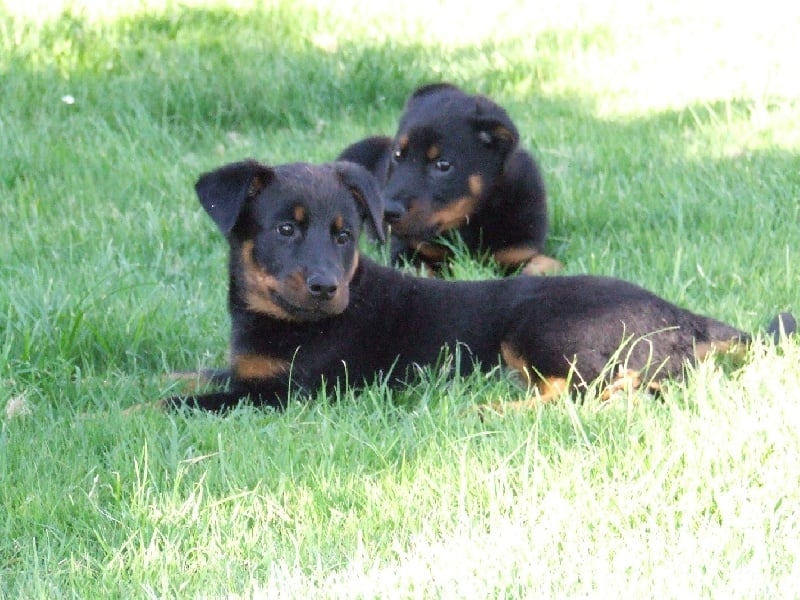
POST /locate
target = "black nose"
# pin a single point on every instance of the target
(393, 211)
(322, 287)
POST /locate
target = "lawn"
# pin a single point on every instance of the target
(669, 137)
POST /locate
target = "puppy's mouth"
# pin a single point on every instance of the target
(423, 222)
(310, 309)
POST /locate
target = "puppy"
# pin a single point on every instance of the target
(454, 165)
(307, 310)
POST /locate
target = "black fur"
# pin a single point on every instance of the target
(307, 310)
(471, 137)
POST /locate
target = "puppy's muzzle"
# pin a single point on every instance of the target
(393, 211)
(322, 286)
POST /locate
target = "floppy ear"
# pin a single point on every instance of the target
(433, 88)
(494, 127)
(223, 192)
(364, 188)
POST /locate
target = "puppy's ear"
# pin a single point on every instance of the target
(434, 88)
(494, 127)
(223, 192)
(364, 188)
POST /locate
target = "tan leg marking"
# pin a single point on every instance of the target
(733, 348)
(515, 255)
(542, 265)
(547, 388)
(535, 263)
(256, 366)
(626, 380)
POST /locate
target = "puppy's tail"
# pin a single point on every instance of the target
(782, 326)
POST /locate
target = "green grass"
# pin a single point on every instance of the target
(669, 141)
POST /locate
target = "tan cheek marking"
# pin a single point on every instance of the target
(433, 152)
(454, 214)
(353, 269)
(475, 185)
(258, 286)
(256, 366)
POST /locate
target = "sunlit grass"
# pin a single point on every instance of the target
(668, 136)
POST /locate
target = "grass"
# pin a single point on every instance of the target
(668, 137)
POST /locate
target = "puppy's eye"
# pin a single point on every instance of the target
(443, 165)
(399, 154)
(286, 229)
(342, 237)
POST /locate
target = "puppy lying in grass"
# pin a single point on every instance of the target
(307, 310)
(455, 165)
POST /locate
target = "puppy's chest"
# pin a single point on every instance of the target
(313, 349)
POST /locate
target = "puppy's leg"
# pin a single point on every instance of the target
(542, 265)
(529, 258)
(547, 389)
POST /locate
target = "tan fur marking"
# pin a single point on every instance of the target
(454, 214)
(515, 360)
(353, 269)
(733, 348)
(475, 185)
(549, 389)
(433, 152)
(256, 366)
(402, 142)
(542, 265)
(535, 263)
(432, 251)
(259, 285)
(515, 255)
(338, 223)
(626, 380)
(299, 214)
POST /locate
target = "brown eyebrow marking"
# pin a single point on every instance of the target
(299, 213)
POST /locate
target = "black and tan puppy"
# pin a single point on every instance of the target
(307, 311)
(454, 164)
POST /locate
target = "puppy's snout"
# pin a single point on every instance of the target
(393, 211)
(322, 287)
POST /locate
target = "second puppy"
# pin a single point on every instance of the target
(455, 165)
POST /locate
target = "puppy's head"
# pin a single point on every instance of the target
(293, 233)
(450, 149)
